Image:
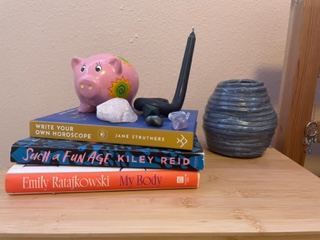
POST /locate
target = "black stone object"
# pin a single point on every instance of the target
(154, 120)
(149, 110)
(239, 120)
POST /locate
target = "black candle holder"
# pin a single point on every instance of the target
(162, 104)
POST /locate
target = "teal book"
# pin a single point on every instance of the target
(79, 126)
(46, 151)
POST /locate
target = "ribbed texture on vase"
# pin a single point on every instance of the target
(239, 120)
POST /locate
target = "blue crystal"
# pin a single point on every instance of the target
(179, 120)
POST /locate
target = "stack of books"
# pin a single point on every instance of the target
(70, 151)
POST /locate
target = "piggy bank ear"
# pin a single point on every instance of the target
(75, 61)
(116, 64)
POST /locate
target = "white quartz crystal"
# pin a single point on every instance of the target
(116, 110)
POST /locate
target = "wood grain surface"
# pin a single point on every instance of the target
(299, 78)
(270, 197)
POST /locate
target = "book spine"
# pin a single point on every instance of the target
(112, 134)
(47, 155)
(58, 182)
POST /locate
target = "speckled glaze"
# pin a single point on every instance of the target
(239, 120)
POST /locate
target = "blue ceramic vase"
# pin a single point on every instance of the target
(239, 120)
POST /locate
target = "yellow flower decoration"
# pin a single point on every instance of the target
(120, 88)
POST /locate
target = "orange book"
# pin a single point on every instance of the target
(27, 179)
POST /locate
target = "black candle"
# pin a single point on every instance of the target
(162, 104)
(185, 69)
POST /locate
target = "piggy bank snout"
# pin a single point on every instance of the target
(87, 88)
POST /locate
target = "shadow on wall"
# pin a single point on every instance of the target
(271, 76)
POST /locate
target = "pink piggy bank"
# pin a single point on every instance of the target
(101, 77)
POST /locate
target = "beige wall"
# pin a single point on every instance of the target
(235, 39)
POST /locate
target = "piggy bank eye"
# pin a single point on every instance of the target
(98, 68)
(83, 67)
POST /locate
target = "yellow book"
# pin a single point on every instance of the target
(73, 125)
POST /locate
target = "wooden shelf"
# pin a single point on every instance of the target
(261, 198)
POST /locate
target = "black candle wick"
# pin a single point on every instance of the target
(163, 104)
